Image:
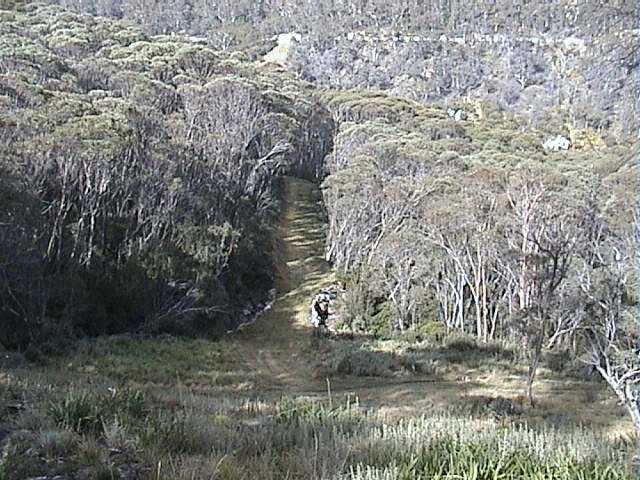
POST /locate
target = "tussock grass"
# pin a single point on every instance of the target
(85, 412)
(449, 461)
(296, 413)
(177, 433)
(545, 444)
(448, 447)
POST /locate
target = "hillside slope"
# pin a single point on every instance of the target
(270, 402)
(151, 195)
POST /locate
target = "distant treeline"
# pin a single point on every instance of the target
(266, 17)
(591, 87)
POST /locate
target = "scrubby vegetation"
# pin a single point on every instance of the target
(142, 173)
(533, 59)
(139, 178)
(404, 357)
(474, 225)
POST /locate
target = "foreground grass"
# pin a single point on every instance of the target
(88, 429)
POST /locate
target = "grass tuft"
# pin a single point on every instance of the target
(87, 412)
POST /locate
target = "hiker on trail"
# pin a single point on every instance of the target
(320, 310)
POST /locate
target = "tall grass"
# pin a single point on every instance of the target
(316, 440)
(87, 412)
(189, 436)
(445, 447)
(546, 444)
(452, 461)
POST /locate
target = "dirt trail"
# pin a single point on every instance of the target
(277, 352)
(277, 347)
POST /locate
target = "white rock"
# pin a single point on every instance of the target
(457, 114)
(575, 44)
(280, 54)
(460, 115)
(557, 143)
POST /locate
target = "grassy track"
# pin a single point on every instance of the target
(276, 348)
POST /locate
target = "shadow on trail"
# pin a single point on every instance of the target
(276, 349)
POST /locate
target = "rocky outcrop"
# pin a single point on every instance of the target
(280, 54)
(557, 143)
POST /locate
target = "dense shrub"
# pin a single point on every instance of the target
(140, 178)
(363, 363)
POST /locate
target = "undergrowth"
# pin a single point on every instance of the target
(371, 357)
(129, 434)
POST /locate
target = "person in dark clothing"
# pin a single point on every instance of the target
(320, 310)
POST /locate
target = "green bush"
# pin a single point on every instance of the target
(381, 323)
(461, 344)
(415, 363)
(481, 406)
(432, 330)
(468, 351)
(359, 361)
(168, 248)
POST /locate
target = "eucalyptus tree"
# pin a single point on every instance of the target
(612, 324)
(148, 170)
(608, 282)
(542, 230)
